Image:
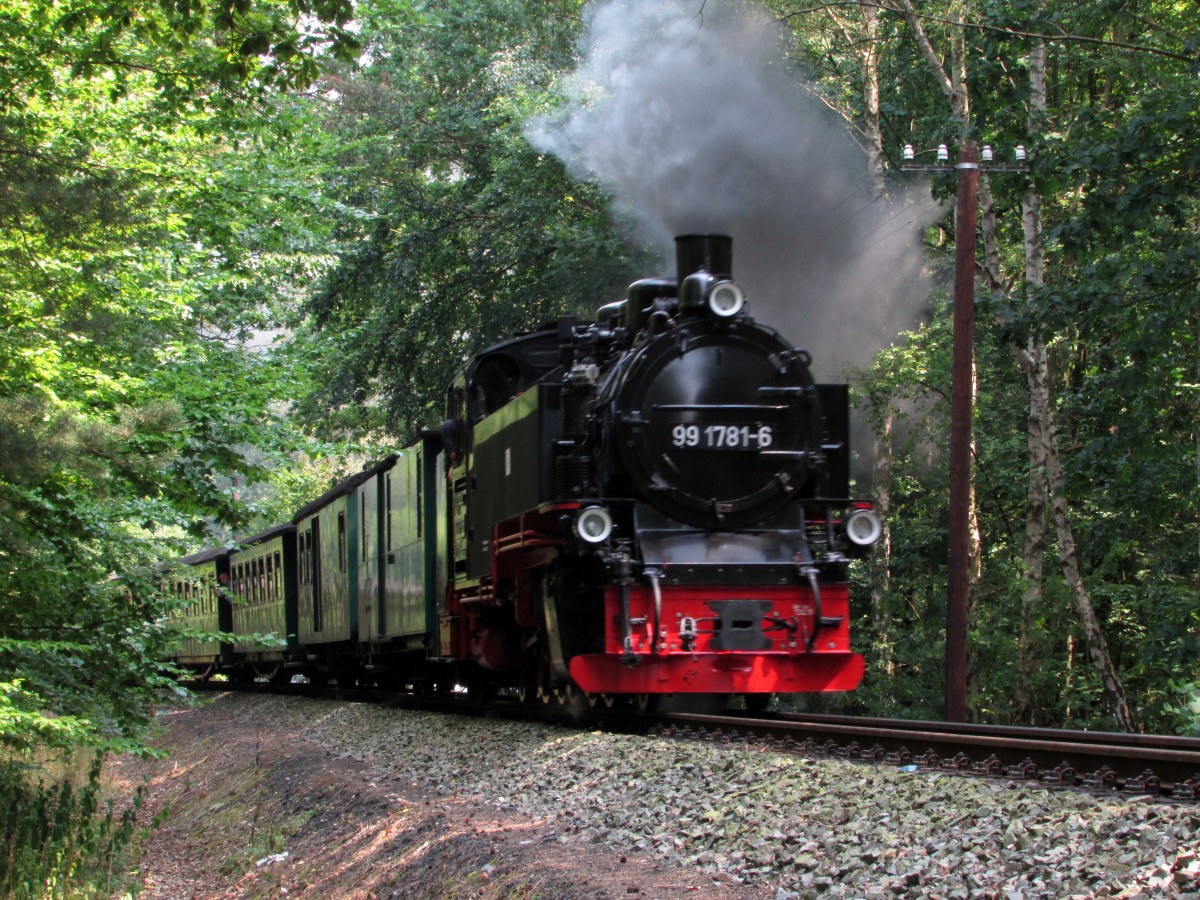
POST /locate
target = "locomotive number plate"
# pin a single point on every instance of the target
(723, 437)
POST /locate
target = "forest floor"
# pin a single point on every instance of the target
(253, 810)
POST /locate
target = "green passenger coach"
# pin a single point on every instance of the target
(400, 583)
(197, 584)
(263, 587)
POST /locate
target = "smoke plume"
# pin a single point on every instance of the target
(686, 112)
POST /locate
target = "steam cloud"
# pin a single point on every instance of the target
(684, 111)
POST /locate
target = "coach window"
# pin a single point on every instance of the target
(387, 505)
(342, 541)
(418, 483)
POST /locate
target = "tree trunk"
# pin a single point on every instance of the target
(863, 36)
(1093, 633)
(987, 229)
(869, 55)
(881, 555)
(1028, 709)
(1045, 470)
(954, 87)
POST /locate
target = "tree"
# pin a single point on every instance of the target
(1116, 279)
(131, 270)
(470, 235)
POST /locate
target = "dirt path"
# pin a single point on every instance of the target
(257, 812)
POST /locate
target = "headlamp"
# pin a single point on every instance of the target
(593, 525)
(863, 527)
(726, 299)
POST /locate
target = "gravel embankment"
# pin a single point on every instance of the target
(795, 827)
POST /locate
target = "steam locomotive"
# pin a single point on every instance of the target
(653, 503)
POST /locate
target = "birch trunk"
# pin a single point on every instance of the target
(863, 35)
(1045, 469)
(1093, 632)
(1028, 708)
(869, 55)
(881, 555)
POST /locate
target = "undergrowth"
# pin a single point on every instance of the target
(60, 840)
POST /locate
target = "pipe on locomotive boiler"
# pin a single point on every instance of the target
(711, 253)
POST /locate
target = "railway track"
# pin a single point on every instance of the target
(1159, 766)
(1156, 765)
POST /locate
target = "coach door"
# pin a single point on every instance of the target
(314, 556)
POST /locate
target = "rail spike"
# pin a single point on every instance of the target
(1027, 769)
(1147, 783)
(1064, 774)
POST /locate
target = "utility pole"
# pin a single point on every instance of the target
(962, 401)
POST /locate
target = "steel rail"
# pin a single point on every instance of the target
(1166, 764)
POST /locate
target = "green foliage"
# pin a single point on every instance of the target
(158, 218)
(472, 235)
(1116, 164)
(298, 481)
(57, 840)
(22, 725)
(195, 53)
(1184, 707)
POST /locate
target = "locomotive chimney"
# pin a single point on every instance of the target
(711, 253)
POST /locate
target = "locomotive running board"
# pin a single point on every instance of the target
(704, 673)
